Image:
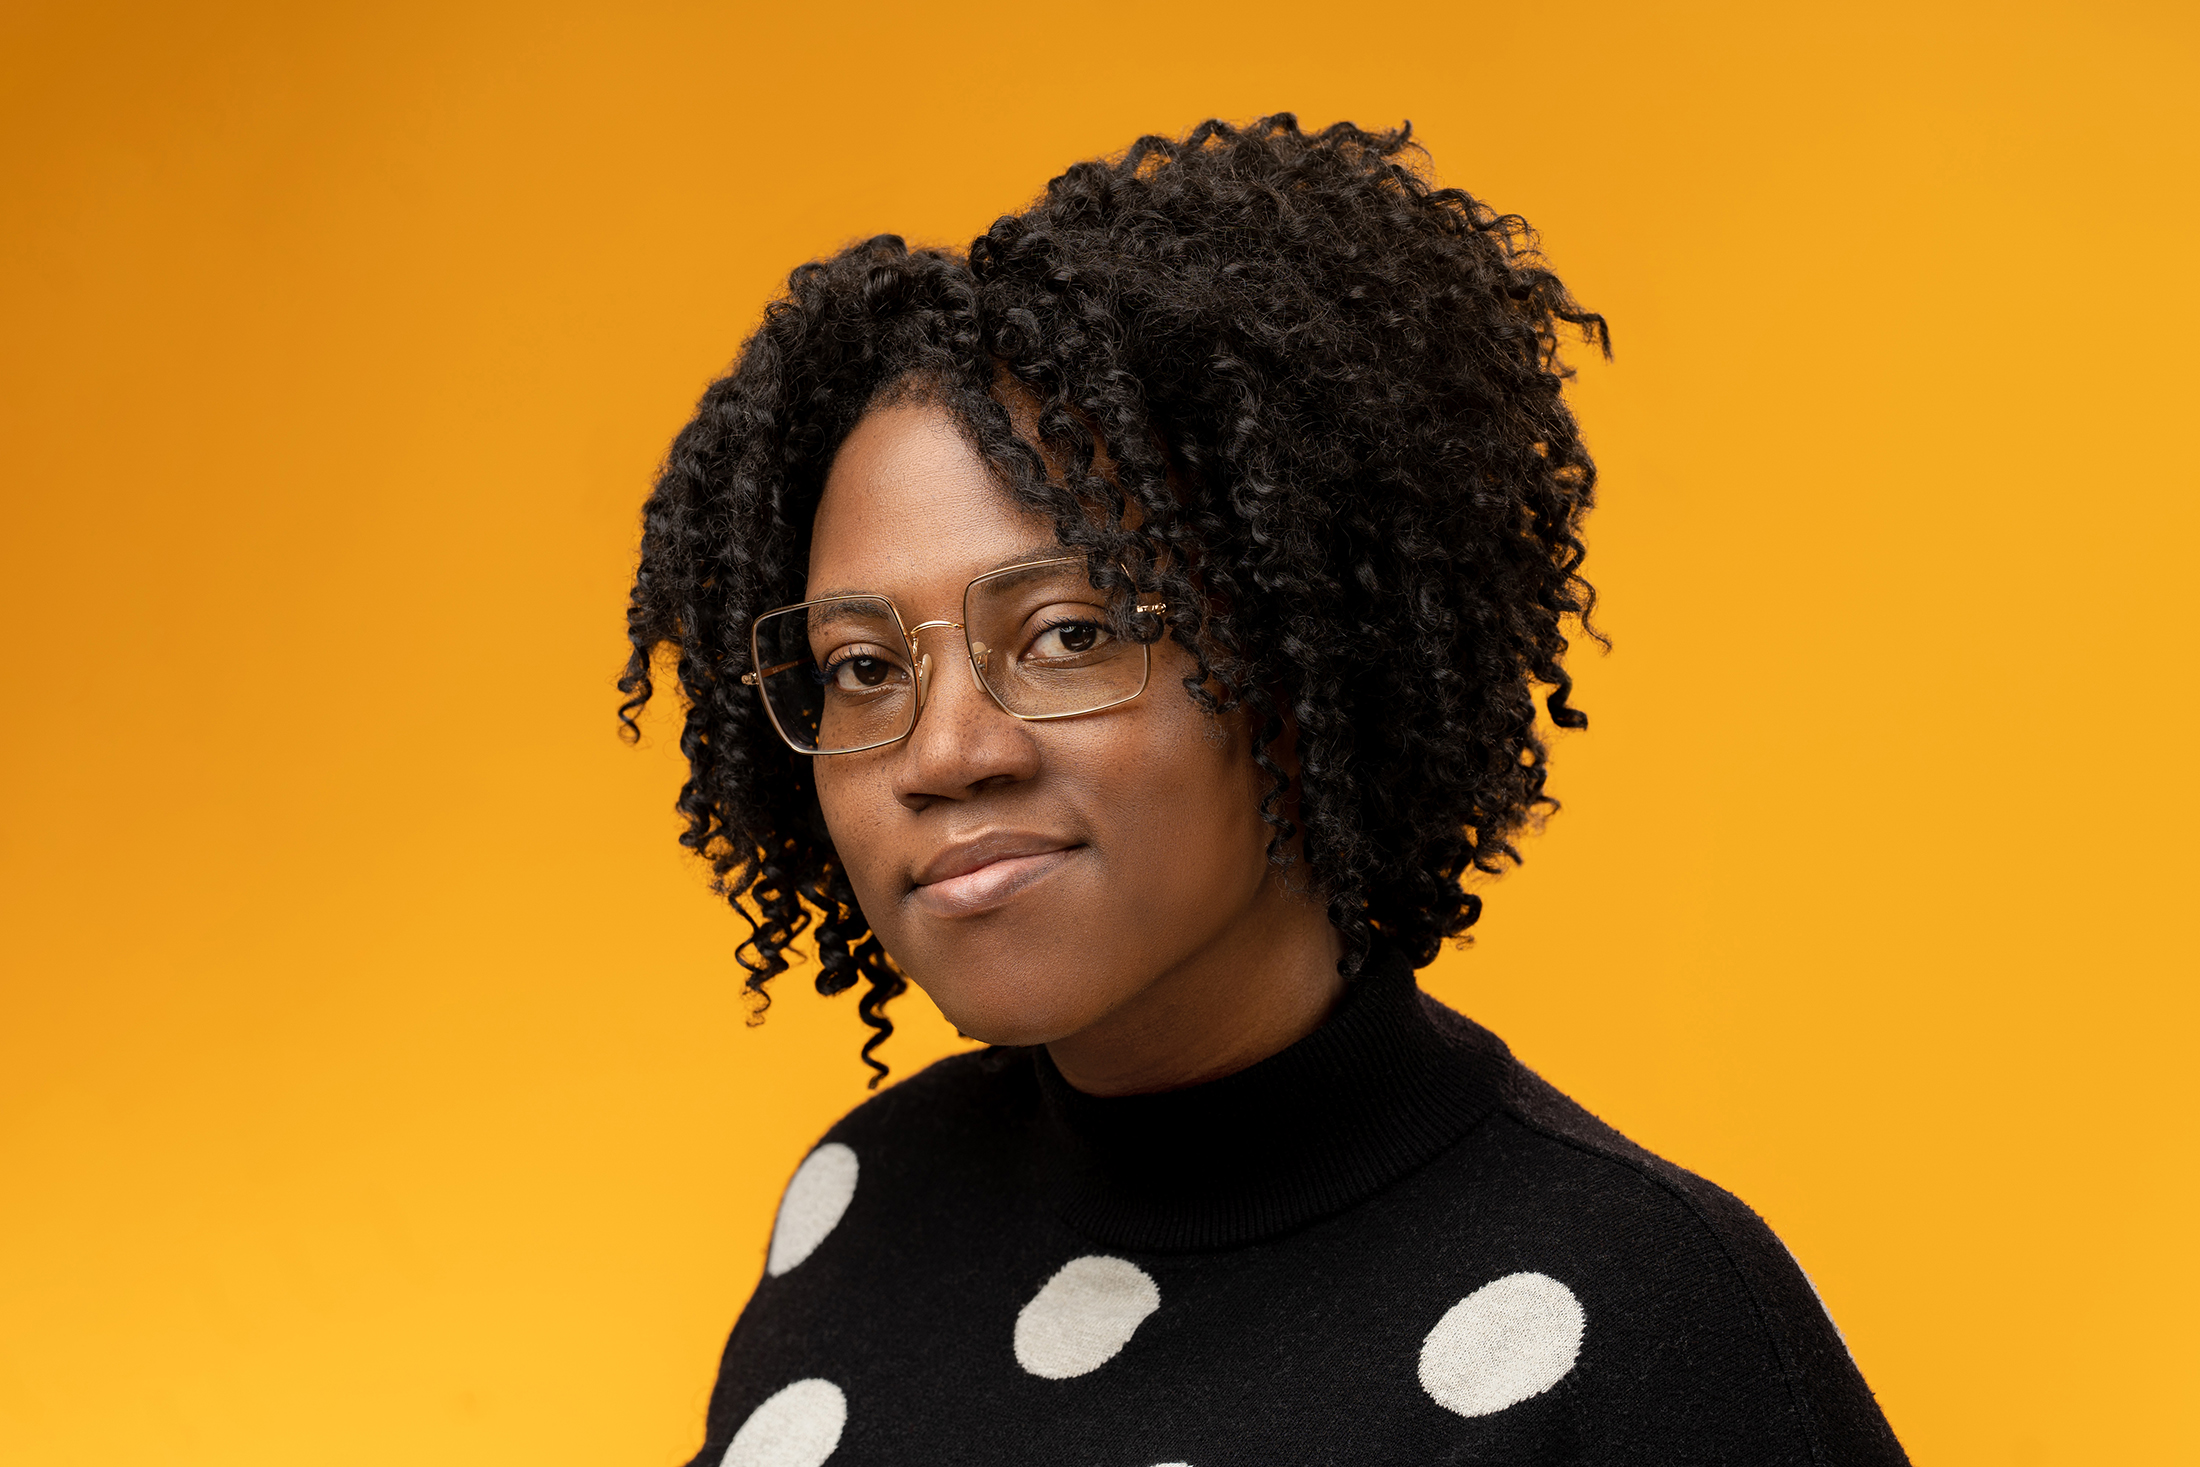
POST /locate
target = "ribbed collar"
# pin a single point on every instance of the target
(1389, 1080)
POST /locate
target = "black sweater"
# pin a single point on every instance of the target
(1390, 1243)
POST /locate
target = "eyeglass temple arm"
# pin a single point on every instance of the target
(751, 679)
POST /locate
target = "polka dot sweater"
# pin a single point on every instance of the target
(1390, 1243)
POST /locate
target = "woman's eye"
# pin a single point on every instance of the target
(1069, 639)
(859, 672)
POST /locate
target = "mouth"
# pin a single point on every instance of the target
(976, 876)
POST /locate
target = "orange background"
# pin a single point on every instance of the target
(373, 1085)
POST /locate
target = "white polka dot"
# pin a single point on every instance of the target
(1506, 1341)
(798, 1427)
(822, 1188)
(1085, 1314)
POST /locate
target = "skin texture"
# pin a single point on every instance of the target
(1136, 927)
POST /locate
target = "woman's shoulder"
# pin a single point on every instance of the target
(1548, 1140)
(1673, 1255)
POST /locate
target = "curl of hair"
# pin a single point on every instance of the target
(1311, 399)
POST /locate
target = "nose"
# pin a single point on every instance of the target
(963, 742)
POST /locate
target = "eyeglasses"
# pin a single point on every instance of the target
(843, 674)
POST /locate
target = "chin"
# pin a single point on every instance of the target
(1022, 1003)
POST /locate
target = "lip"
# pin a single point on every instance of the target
(977, 875)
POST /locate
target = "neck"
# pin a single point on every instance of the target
(1386, 1082)
(1261, 985)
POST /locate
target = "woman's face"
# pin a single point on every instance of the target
(1037, 879)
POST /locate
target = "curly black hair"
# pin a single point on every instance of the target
(1312, 399)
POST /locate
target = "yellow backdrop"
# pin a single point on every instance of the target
(373, 1085)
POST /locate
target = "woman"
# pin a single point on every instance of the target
(1129, 631)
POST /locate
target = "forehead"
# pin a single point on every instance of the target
(910, 511)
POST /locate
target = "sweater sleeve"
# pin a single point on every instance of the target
(1826, 1390)
(1845, 1422)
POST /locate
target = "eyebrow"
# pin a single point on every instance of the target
(826, 616)
(1023, 557)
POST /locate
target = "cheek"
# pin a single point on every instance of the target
(1187, 832)
(855, 802)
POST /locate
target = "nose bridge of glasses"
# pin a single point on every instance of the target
(923, 659)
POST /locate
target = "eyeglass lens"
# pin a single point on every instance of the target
(838, 675)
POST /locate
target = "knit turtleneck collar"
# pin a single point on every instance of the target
(1389, 1080)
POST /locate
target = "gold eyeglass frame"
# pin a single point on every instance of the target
(920, 661)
